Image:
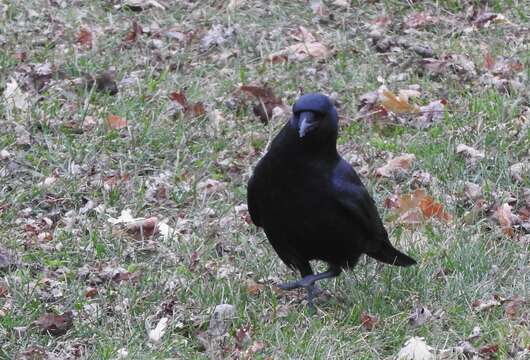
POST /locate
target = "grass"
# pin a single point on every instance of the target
(216, 254)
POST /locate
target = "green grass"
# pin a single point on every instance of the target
(179, 276)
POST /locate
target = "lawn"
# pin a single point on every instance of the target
(128, 132)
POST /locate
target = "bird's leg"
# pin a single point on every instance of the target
(308, 282)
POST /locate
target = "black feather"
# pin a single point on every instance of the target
(311, 203)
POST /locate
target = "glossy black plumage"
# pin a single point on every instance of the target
(311, 203)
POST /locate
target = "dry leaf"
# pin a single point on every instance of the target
(4, 154)
(253, 288)
(520, 171)
(415, 207)
(210, 186)
(415, 349)
(368, 321)
(84, 37)
(267, 104)
(115, 122)
(472, 155)
(397, 104)
(420, 316)
(134, 33)
(396, 166)
(156, 334)
(430, 114)
(480, 305)
(308, 48)
(512, 307)
(505, 218)
(55, 324)
(15, 98)
(143, 228)
(419, 19)
(472, 191)
(196, 109)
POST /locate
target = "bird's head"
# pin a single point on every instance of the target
(315, 117)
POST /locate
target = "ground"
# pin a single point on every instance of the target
(123, 205)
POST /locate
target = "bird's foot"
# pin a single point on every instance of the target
(308, 283)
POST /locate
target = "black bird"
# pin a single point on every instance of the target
(310, 201)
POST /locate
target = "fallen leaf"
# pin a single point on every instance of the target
(488, 349)
(308, 48)
(4, 154)
(91, 292)
(218, 35)
(115, 122)
(134, 33)
(15, 98)
(470, 154)
(264, 109)
(472, 191)
(143, 228)
(84, 37)
(210, 186)
(413, 208)
(253, 288)
(368, 321)
(221, 319)
(512, 307)
(503, 214)
(397, 104)
(318, 8)
(430, 114)
(520, 171)
(415, 349)
(480, 305)
(395, 166)
(139, 5)
(419, 19)
(195, 109)
(420, 316)
(55, 324)
(242, 336)
(3, 292)
(156, 334)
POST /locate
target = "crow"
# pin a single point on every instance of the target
(311, 203)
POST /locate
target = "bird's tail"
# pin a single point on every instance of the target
(388, 254)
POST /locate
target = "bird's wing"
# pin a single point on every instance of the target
(353, 197)
(252, 194)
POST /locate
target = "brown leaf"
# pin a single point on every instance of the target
(55, 324)
(84, 37)
(307, 48)
(489, 61)
(396, 104)
(3, 292)
(419, 19)
(196, 109)
(471, 155)
(134, 33)
(488, 349)
(512, 307)
(264, 109)
(253, 288)
(91, 292)
(115, 122)
(415, 207)
(143, 228)
(368, 321)
(398, 165)
(483, 305)
(504, 216)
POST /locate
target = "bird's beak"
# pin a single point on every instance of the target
(307, 122)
